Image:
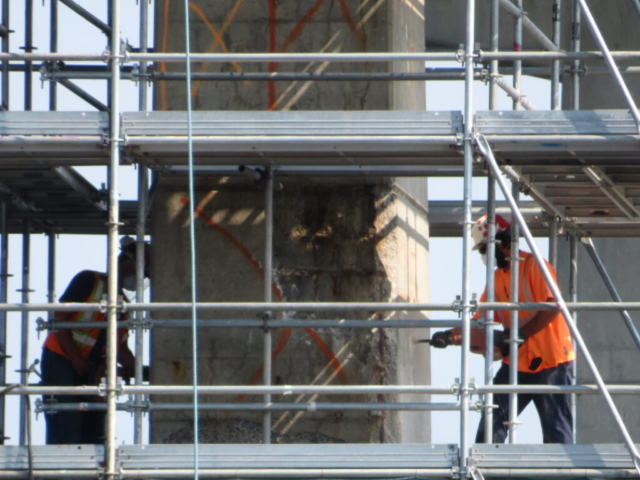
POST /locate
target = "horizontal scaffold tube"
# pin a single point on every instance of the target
(293, 407)
(479, 56)
(322, 390)
(242, 323)
(320, 306)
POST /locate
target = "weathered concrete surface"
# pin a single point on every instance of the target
(321, 252)
(293, 26)
(334, 240)
(606, 336)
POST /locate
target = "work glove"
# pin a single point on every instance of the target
(441, 339)
(501, 341)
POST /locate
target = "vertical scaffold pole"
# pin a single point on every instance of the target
(484, 147)
(491, 264)
(5, 64)
(555, 67)
(576, 34)
(53, 47)
(51, 271)
(143, 187)
(4, 289)
(611, 63)
(114, 221)
(268, 280)
(514, 323)
(24, 346)
(466, 234)
(140, 276)
(553, 242)
(495, 46)
(28, 48)
(573, 297)
(517, 47)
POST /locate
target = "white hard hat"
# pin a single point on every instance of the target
(480, 230)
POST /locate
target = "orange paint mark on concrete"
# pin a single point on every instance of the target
(285, 333)
(324, 348)
(297, 30)
(271, 86)
(163, 65)
(217, 36)
(214, 44)
(235, 242)
(352, 25)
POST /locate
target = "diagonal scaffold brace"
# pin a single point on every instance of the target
(485, 149)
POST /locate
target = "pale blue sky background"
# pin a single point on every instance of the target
(86, 252)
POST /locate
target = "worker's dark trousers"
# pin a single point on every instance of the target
(554, 410)
(64, 428)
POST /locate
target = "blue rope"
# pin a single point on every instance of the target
(192, 238)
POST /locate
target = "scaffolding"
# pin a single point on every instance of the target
(539, 144)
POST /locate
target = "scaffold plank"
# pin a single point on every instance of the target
(325, 456)
(552, 456)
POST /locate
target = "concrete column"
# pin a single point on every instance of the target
(334, 240)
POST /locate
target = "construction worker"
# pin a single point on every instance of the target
(77, 357)
(545, 356)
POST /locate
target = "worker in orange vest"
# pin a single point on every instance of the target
(74, 357)
(545, 356)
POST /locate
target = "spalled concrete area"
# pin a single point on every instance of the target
(334, 239)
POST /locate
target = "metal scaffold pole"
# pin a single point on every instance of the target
(143, 187)
(488, 154)
(268, 280)
(24, 346)
(573, 296)
(113, 225)
(576, 34)
(517, 47)
(489, 320)
(467, 240)
(514, 339)
(4, 289)
(556, 70)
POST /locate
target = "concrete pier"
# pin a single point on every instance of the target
(334, 239)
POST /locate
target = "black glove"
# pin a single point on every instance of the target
(441, 339)
(501, 340)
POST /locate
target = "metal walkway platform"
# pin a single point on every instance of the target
(580, 166)
(320, 461)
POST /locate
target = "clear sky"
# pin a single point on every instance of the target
(76, 253)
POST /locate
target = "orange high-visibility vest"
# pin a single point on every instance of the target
(85, 338)
(550, 346)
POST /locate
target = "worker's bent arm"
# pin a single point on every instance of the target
(540, 320)
(65, 337)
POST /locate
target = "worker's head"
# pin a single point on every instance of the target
(127, 262)
(480, 233)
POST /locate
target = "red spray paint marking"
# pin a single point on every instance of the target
(285, 333)
(517, 47)
(272, 49)
(352, 25)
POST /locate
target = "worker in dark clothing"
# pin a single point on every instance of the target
(74, 357)
(546, 355)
